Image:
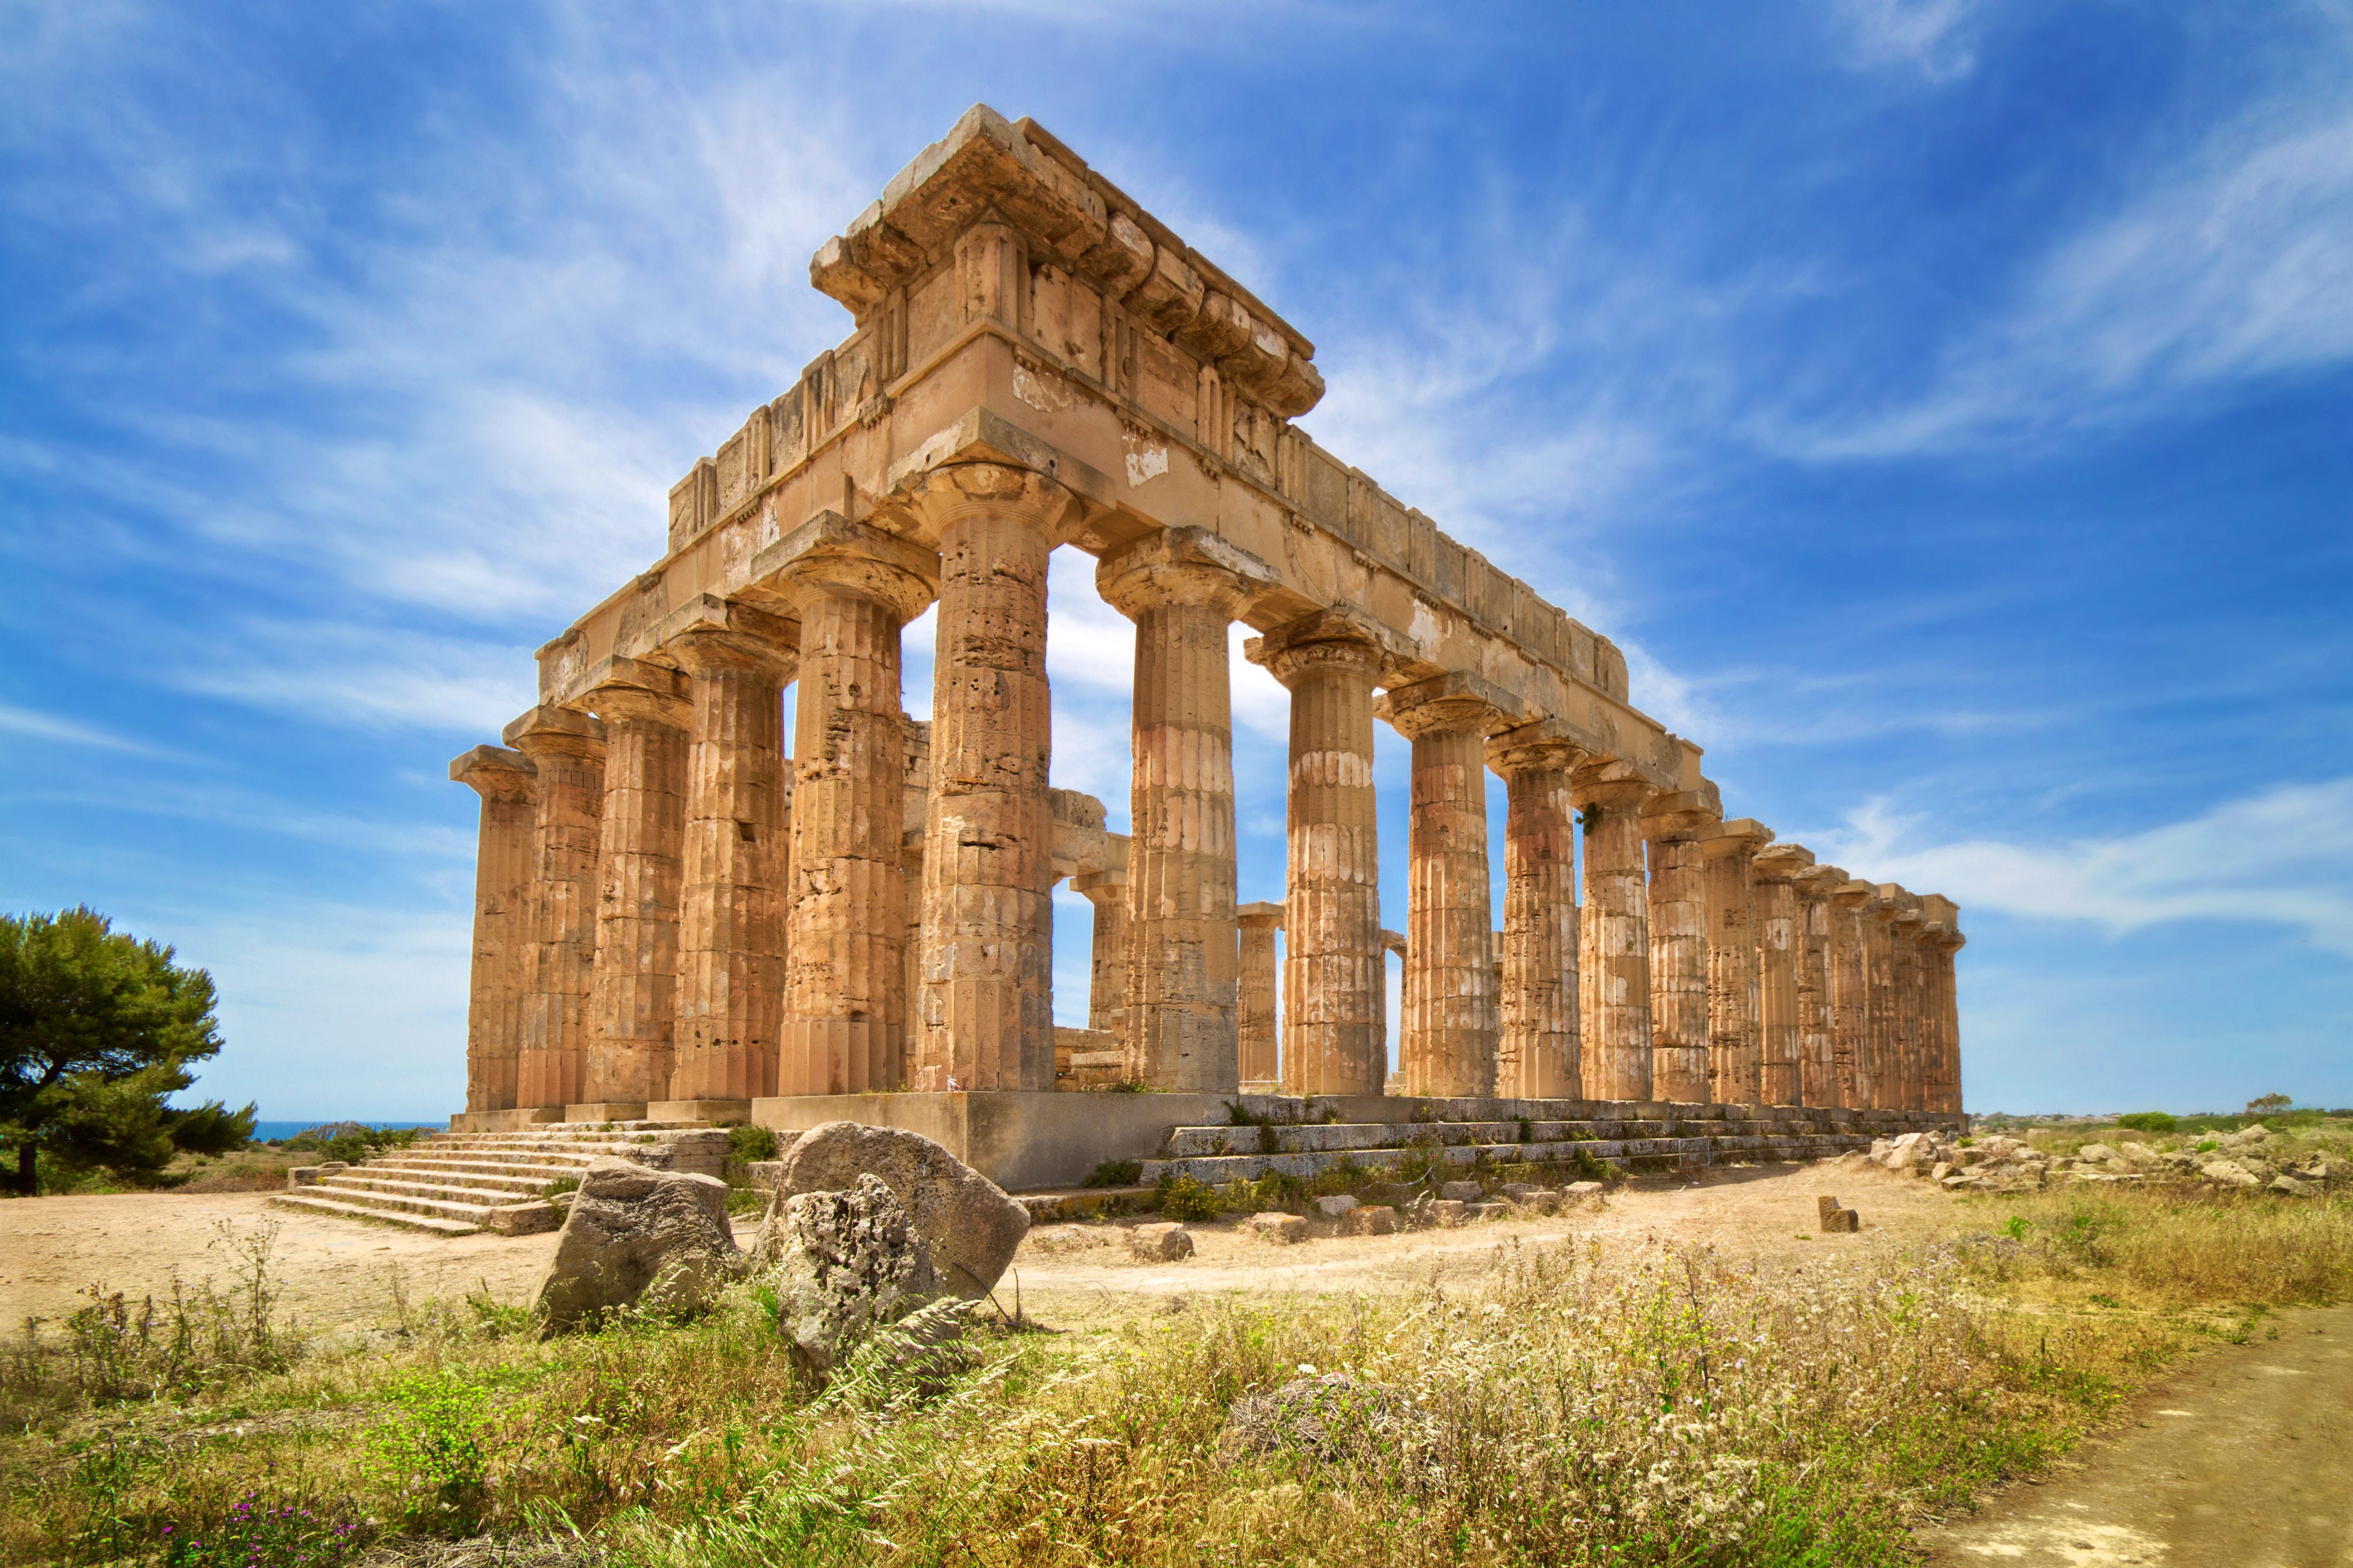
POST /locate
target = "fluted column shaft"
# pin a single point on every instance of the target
(1818, 1077)
(1674, 823)
(1910, 1019)
(567, 753)
(1885, 1065)
(1451, 1021)
(1852, 1030)
(502, 879)
(1255, 999)
(846, 918)
(985, 1018)
(1334, 987)
(730, 915)
(1778, 941)
(1538, 1054)
(1947, 992)
(1181, 587)
(1733, 1063)
(1110, 958)
(1614, 960)
(633, 1003)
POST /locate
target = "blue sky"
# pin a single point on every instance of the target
(1945, 404)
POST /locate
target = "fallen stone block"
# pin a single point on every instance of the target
(1486, 1211)
(1584, 1192)
(1447, 1212)
(1275, 1226)
(969, 1227)
(1163, 1241)
(311, 1175)
(2289, 1186)
(1832, 1219)
(1370, 1219)
(525, 1219)
(636, 1237)
(1333, 1207)
(1461, 1192)
(848, 1262)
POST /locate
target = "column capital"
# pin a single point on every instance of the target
(1543, 743)
(1259, 916)
(939, 497)
(709, 634)
(1682, 816)
(548, 731)
(1393, 941)
(1610, 784)
(1856, 896)
(1341, 638)
(1456, 703)
(494, 773)
(1784, 862)
(1181, 566)
(622, 688)
(831, 554)
(1740, 838)
(1102, 886)
(1819, 881)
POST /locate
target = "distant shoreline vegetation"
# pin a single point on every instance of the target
(279, 1131)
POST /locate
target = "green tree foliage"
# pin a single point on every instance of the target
(97, 1032)
(2269, 1104)
(2148, 1120)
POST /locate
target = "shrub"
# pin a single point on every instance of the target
(2148, 1120)
(748, 1143)
(1113, 1173)
(1184, 1199)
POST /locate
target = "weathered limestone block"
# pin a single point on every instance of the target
(1674, 824)
(731, 918)
(638, 1237)
(1447, 1212)
(503, 874)
(1614, 946)
(1334, 1206)
(1255, 998)
(311, 1175)
(532, 1218)
(967, 1224)
(1449, 1043)
(1465, 1192)
(1780, 943)
(633, 1000)
(1369, 1220)
(1181, 587)
(986, 1017)
(1162, 1241)
(1833, 1219)
(854, 587)
(846, 1263)
(567, 755)
(1288, 1229)
(1334, 990)
(1537, 1054)
(1732, 1003)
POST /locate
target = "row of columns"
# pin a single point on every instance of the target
(671, 907)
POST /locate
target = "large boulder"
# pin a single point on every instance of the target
(638, 1237)
(969, 1228)
(847, 1263)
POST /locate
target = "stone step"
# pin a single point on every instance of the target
(375, 1179)
(1629, 1155)
(1193, 1143)
(304, 1200)
(332, 1188)
(455, 1167)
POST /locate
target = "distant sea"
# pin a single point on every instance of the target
(271, 1132)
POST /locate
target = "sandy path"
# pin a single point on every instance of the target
(2243, 1458)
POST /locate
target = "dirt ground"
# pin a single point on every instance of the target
(2243, 1456)
(340, 1272)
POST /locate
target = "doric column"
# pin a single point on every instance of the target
(567, 755)
(1107, 972)
(633, 1001)
(1674, 823)
(1820, 1081)
(1885, 1056)
(1254, 1010)
(1944, 940)
(1450, 1023)
(731, 960)
(986, 1017)
(1903, 966)
(1181, 587)
(1614, 952)
(1538, 1055)
(845, 1008)
(1334, 993)
(1854, 1033)
(502, 880)
(1780, 947)
(1732, 1060)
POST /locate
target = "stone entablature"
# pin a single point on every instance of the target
(673, 902)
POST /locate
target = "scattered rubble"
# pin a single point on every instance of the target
(2250, 1158)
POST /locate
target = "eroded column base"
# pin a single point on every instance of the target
(718, 1113)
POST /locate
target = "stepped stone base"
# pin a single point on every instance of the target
(715, 1112)
(456, 1182)
(613, 1110)
(505, 1121)
(1026, 1142)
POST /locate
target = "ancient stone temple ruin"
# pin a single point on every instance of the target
(686, 916)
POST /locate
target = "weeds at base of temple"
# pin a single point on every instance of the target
(1580, 1403)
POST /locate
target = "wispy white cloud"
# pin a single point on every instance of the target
(2283, 857)
(43, 726)
(368, 677)
(1933, 37)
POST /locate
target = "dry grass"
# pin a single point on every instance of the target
(1626, 1405)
